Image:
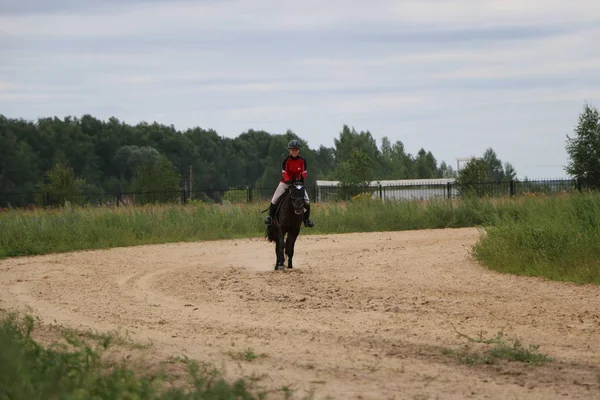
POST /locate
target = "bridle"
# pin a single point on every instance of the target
(297, 195)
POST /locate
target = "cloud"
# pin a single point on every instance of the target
(143, 18)
(452, 76)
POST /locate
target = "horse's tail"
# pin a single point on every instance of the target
(271, 232)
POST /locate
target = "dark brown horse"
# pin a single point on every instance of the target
(285, 228)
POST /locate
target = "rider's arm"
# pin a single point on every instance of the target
(284, 173)
(305, 168)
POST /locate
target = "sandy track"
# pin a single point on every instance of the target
(360, 316)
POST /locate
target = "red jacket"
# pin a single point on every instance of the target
(293, 168)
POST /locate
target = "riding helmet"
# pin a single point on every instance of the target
(294, 144)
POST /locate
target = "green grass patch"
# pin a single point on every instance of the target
(480, 350)
(78, 228)
(246, 355)
(77, 370)
(553, 237)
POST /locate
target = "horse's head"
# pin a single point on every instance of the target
(297, 195)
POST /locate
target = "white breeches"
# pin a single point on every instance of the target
(281, 190)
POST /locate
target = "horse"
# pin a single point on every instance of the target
(288, 220)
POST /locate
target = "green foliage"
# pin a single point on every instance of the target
(355, 174)
(77, 371)
(157, 179)
(426, 165)
(106, 154)
(62, 184)
(41, 232)
(130, 158)
(473, 178)
(554, 237)
(482, 176)
(584, 148)
(496, 349)
(350, 141)
(446, 171)
(68, 229)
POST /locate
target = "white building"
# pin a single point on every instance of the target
(402, 189)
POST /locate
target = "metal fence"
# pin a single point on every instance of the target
(319, 193)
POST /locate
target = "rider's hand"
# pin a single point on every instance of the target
(288, 182)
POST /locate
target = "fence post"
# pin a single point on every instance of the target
(512, 188)
(449, 186)
(183, 201)
(315, 193)
(380, 192)
(249, 197)
(579, 186)
(119, 195)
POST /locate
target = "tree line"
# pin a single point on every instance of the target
(86, 154)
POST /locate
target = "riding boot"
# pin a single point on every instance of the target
(307, 222)
(272, 209)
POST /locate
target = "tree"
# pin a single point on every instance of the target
(349, 140)
(426, 165)
(63, 185)
(160, 180)
(494, 165)
(510, 173)
(446, 171)
(106, 153)
(584, 149)
(128, 158)
(396, 163)
(472, 178)
(355, 174)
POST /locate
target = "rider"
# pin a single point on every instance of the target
(293, 167)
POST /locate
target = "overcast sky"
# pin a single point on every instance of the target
(452, 76)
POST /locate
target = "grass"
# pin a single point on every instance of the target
(554, 237)
(77, 370)
(246, 355)
(77, 228)
(69, 228)
(496, 349)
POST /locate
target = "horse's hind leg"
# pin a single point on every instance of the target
(289, 246)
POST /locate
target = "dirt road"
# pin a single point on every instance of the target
(361, 316)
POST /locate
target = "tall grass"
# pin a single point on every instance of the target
(70, 228)
(554, 237)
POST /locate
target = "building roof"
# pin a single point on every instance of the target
(397, 182)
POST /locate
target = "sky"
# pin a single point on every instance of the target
(454, 77)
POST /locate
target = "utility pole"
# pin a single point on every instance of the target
(191, 188)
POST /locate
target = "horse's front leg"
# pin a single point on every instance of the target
(289, 246)
(279, 248)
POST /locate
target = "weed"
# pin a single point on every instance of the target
(76, 371)
(498, 349)
(246, 355)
